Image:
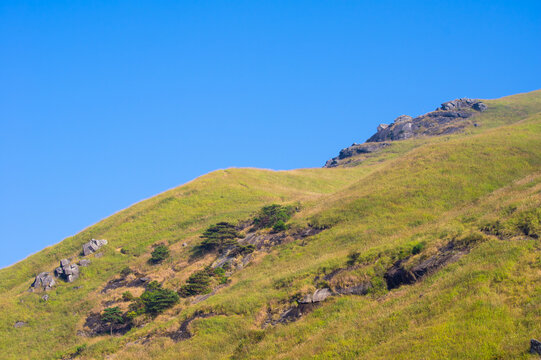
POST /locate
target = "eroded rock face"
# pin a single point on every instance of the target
(92, 246)
(43, 281)
(66, 271)
(398, 275)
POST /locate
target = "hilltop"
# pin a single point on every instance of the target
(423, 242)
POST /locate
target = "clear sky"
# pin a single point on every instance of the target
(105, 103)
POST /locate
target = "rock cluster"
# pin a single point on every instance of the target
(44, 281)
(463, 103)
(92, 246)
(446, 119)
(68, 272)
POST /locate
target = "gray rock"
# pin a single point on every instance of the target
(184, 244)
(44, 281)
(402, 118)
(84, 262)
(64, 262)
(92, 246)
(380, 128)
(45, 297)
(321, 295)
(535, 347)
(318, 296)
(479, 106)
(68, 272)
(462, 103)
(19, 324)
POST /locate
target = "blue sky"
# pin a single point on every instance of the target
(105, 103)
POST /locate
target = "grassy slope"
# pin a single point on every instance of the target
(484, 306)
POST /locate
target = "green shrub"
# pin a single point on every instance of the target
(153, 285)
(353, 257)
(125, 271)
(219, 237)
(270, 215)
(417, 248)
(127, 296)
(157, 300)
(159, 254)
(529, 223)
(280, 225)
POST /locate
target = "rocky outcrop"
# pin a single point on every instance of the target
(399, 275)
(92, 246)
(357, 149)
(66, 271)
(358, 289)
(463, 103)
(43, 281)
(318, 296)
(447, 119)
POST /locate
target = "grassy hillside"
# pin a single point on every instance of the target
(480, 188)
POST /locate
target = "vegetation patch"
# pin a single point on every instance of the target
(159, 254)
(201, 281)
(219, 237)
(274, 216)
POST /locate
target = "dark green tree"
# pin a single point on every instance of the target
(156, 301)
(219, 236)
(112, 316)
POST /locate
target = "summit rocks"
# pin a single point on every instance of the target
(449, 118)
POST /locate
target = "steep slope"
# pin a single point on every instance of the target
(467, 202)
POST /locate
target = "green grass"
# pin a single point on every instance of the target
(422, 192)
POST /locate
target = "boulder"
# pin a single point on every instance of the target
(84, 262)
(68, 272)
(458, 104)
(44, 281)
(535, 347)
(479, 106)
(92, 246)
(318, 296)
(321, 295)
(45, 297)
(19, 324)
